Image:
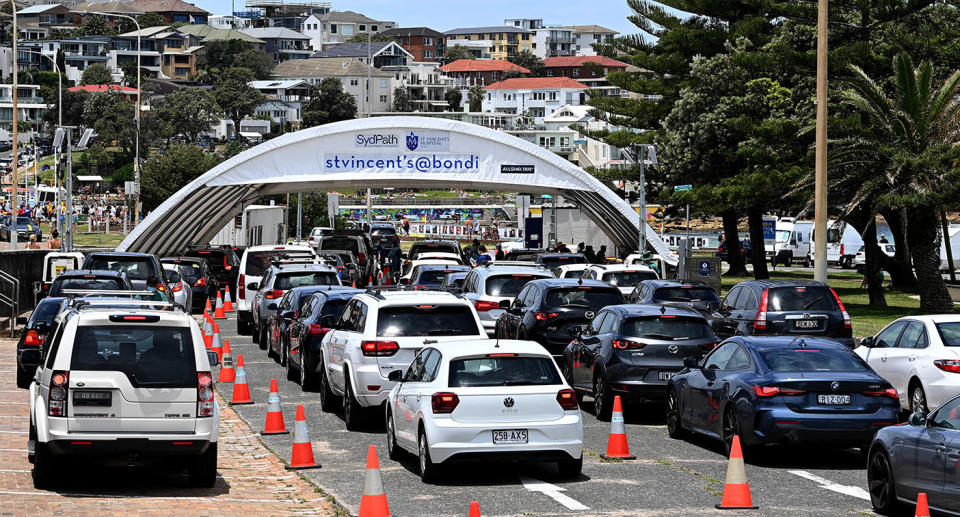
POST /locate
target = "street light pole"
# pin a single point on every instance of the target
(59, 124)
(643, 200)
(14, 204)
(820, 188)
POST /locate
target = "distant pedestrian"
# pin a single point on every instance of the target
(590, 255)
(153, 285)
(602, 254)
(33, 244)
(54, 243)
(883, 239)
(500, 254)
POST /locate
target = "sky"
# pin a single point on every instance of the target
(443, 15)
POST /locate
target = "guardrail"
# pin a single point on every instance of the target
(11, 300)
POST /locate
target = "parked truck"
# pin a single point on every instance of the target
(792, 243)
(843, 243)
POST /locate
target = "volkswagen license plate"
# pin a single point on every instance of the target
(806, 324)
(510, 436)
(665, 376)
(833, 400)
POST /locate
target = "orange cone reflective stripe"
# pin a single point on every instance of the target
(736, 490)
(617, 443)
(274, 423)
(923, 510)
(241, 392)
(218, 313)
(373, 502)
(302, 455)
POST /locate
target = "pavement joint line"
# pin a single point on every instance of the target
(553, 492)
(13, 450)
(14, 432)
(157, 497)
(852, 491)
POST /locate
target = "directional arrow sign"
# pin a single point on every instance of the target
(683, 188)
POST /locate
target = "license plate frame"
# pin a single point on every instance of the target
(806, 324)
(665, 376)
(102, 398)
(510, 436)
(825, 399)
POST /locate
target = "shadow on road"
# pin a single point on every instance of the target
(481, 473)
(142, 481)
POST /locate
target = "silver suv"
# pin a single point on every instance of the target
(275, 283)
(124, 380)
(492, 288)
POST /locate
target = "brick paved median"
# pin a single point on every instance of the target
(252, 479)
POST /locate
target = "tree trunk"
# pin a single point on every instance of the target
(732, 238)
(924, 241)
(759, 254)
(900, 266)
(872, 270)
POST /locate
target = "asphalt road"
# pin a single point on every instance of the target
(669, 477)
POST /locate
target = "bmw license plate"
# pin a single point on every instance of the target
(510, 436)
(806, 324)
(833, 400)
(665, 376)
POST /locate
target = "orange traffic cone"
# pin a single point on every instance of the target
(474, 509)
(207, 330)
(617, 443)
(241, 392)
(386, 276)
(922, 509)
(227, 301)
(736, 490)
(218, 313)
(354, 284)
(216, 340)
(302, 455)
(274, 424)
(219, 351)
(227, 373)
(207, 308)
(369, 279)
(373, 502)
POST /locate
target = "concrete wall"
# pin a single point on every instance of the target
(26, 266)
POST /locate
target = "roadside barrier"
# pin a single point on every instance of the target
(218, 313)
(227, 372)
(617, 443)
(274, 423)
(241, 391)
(373, 502)
(736, 490)
(227, 301)
(922, 509)
(302, 455)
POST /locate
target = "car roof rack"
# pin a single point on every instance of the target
(99, 302)
(107, 292)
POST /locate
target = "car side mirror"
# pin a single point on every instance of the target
(691, 362)
(576, 331)
(918, 420)
(395, 376)
(213, 358)
(351, 265)
(867, 342)
(253, 286)
(329, 321)
(272, 307)
(404, 281)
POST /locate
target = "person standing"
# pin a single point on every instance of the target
(500, 254)
(54, 243)
(33, 244)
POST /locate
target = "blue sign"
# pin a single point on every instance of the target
(705, 268)
(769, 229)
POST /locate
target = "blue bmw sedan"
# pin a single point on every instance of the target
(922, 456)
(781, 390)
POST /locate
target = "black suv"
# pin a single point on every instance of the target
(554, 260)
(138, 267)
(551, 310)
(224, 262)
(385, 233)
(783, 307)
(356, 242)
(89, 280)
(33, 335)
(200, 277)
(698, 296)
(632, 351)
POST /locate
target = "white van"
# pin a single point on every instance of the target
(843, 243)
(793, 242)
(254, 263)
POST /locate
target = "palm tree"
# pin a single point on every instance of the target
(912, 141)
(96, 25)
(475, 97)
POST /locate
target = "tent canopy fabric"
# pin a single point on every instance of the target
(89, 178)
(400, 152)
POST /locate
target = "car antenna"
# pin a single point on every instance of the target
(497, 344)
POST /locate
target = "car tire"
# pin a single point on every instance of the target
(806, 261)
(293, 373)
(32, 443)
(880, 482)
(570, 468)
(328, 401)
(244, 328)
(918, 399)
(671, 411)
(428, 469)
(731, 427)
(393, 450)
(46, 467)
(352, 411)
(281, 354)
(24, 378)
(602, 398)
(261, 333)
(203, 470)
(308, 379)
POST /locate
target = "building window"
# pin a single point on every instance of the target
(576, 72)
(383, 98)
(181, 71)
(428, 54)
(428, 41)
(354, 82)
(549, 72)
(383, 83)
(373, 28)
(363, 28)
(347, 30)
(553, 96)
(525, 37)
(333, 28)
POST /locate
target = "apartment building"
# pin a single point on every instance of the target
(504, 41)
(166, 52)
(228, 21)
(535, 97)
(468, 72)
(285, 99)
(282, 43)
(425, 83)
(553, 41)
(30, 107)
(423, 43)
(377, 53)
(584, 36)
(172, 11)
(333, 27)
(352, 74)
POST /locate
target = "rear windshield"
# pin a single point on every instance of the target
(573, 273)
(812, 359)
(150, 356)
(427, 320)
(417, 249)
(628, 278)
(667, 328)
(172, 276)
(46, 311)
(340, 243)
(552, 262)
(22, 221)
(503, 371)
(384, 230)
(523, 255)
(508, 285)
(433, 276)
(333, 307)
(88, 284)
(594, 298)
(949, 333)
(191, 270)
(216, 259)
(455, 281)
(287, 281)
(800, 298)
(685, 294)
(259, 261)
(135, 268)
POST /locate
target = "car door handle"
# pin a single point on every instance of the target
(913, 358)
(883, 358)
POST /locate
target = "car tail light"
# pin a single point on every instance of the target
(769, 391)
(379, 348)
(273, 294)
(846, 315)
(708, 346)
(544, 316)
(948, 365)
(444, 403)
(623, 344)
(485, 306)
(57, 405)
(32, 338)
(242, 288)
(362, 257)
(177, 287)
(162, 288)
(202, 282)
(842, 250)
(889, 392)
(204, 394)
(761, 321)
(567, 399)
(317, 330)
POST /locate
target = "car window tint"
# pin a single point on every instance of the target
(591, 297)
(45, 312)
(685, 294)
(150, 357)
(948, 416)
(888, 337)
(87, 284)
(415, 371)
(949, 333)
(628, 278)
(135, 268)
(503, 371)
(739, 360)
(431, 366)
(349, 317)
(507, 285)
(910, 335)
(427, 320)
(671, 328)
(748, 300)
(286, 281)
(332, 307)
(610, 324)
(720, 357)
(51, 345)
(800, 298)
(340, 243)
(596, 323)
(812, 360)
(730, 300)
(259, 262)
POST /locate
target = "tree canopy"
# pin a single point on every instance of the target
(328, 103)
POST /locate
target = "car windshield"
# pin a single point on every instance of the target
(287, 281)
(340, 243)
(800, 298)
(949, 333)
(383, 230)
(417, 249)
(628, 278)
(259, 261)
(667, 327)
(46, 310)
(427, 320)
(433, 276)
(86, 284)
(561, 260)
(23, 221)
(508, 285)
(503, 371)
(135, 268)
(594, 298)
(812, 359)
(215, 258)
(685, 294)
(783, 235)
(151, 357)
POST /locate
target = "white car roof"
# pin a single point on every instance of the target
(454, 350)
(427, 262)
(401, 298)
(278, 247)
(436, 254)
(93, 315)
(612, 268)
(936, 318)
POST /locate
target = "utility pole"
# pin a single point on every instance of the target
(820, 188)
(68, 221)
(15, 203)
(643, 200)
(299, 215)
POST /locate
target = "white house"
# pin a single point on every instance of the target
(352, 75)
(537, 97)
(227, 21)
(334, 27)
(553, 42)
(584, 36)
(285, 98)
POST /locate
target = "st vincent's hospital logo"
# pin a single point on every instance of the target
(412, 141)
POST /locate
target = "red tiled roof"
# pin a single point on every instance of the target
(93, 88)
(566, 61)
(537, 83)
(482, 65)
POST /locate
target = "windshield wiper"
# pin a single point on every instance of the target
(811, 302)
(575, 305)
(660, 336)
(440, 332)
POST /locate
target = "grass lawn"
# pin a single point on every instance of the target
(83, 238)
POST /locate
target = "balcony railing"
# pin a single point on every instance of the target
(26, 99)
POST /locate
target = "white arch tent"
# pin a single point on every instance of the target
(376, 152)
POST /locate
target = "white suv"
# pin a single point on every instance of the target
(255, 262)
(622, 276)
(492, 288)
(382, 331)
(124, 380)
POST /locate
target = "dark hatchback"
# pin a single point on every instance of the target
(632, 351)
(552, 310)
(306, 332)
(289, 308)
(138, 267)
(89, 280)
(200, 277)
(384, 233)
(555, 260)
(224, 262)
(32, 337)
(698, 296)
(783, 307)
(781, 390)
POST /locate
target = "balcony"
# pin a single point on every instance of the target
(22, 99)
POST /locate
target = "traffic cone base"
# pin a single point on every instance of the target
(227, 372)
(302, 455)
(617, 447)
(241, 391)
(274, 424)
(736, 490)
(373, 502)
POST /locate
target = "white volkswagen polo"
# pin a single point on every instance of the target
(484, 400)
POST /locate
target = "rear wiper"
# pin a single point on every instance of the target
(661, 336)
(575, 305)
(440, 332)
(811, 302)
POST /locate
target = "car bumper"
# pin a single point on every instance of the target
(452, 441)
(126, 447)
(940, 389)
(786, 426)
(365, 378)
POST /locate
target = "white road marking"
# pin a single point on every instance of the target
(852, 491)
(553, 492)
